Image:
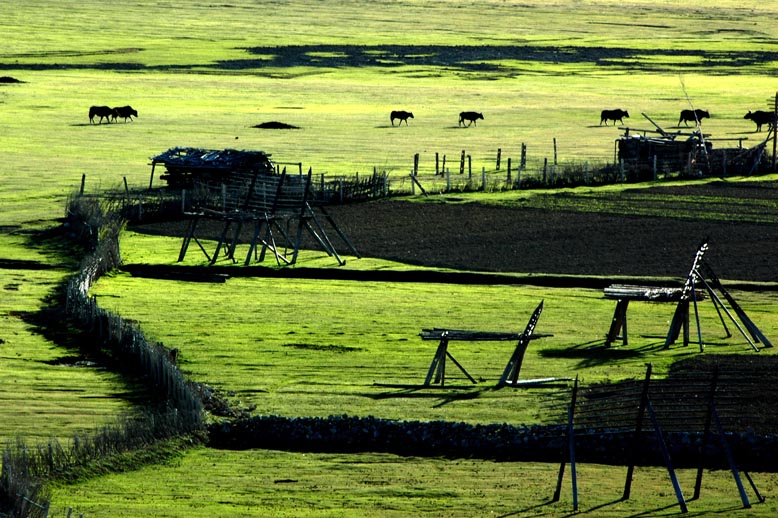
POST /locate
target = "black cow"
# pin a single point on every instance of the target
(104, 112)
(126, 112)
(761, 117)
(402, 115)
(613, 115)
(693, 115)
(471, 117)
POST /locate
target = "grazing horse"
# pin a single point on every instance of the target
(104, 112)
(613, 115)
(402, 115)
(471, 117)
(761, 117)
(126, 112)
(692, 115)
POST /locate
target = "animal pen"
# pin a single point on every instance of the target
(644, 154)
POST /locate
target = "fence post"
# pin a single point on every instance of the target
(545, 168)
(386, 183)
(523, 163)
(654, 167)
(448, 181)
(83, 183)
(413, 185)
(499, 155)
(443, 167)
(437, 163)
(483, 178)
(415, 164)
(151, 178)
(462, 163)
(469, 166)
(555, 160)
(508, 180)
(518, 178)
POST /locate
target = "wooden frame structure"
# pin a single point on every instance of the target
(272, 204)
(701, 282)
(436, 375)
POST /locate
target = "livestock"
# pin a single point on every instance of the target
(126, 112)
(613, 115)
(693, 115)
(471, 117)
(761, 117)
(402, 115)
(104, 112)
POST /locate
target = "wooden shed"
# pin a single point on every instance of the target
(185, 165)
(648, 152)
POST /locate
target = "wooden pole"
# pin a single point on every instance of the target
(462, 163)
(775, 118)
(437, 163)
(654, 168)
(443, 166)
(523, 163)
(545, 170)
(126, 189)
(508, 180)
(638, 431)
(415, 164)
(151, 178)
(499, 155)
(555, 153)
(83, 183)
(469, 166)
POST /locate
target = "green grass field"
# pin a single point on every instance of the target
(202, 75)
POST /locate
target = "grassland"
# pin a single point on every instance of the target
(203, 75)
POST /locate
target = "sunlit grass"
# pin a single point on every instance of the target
(184, 70)
(380, 485)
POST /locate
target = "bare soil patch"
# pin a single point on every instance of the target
(487, 238)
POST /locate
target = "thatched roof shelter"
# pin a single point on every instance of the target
(185, 164)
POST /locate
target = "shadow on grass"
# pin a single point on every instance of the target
(463, 393)
(596, 353)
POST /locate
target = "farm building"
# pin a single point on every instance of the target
(649, 152)
(184, 165)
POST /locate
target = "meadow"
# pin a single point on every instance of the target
(202, 75)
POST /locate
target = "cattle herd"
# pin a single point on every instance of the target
(759, 117)
(111, 114)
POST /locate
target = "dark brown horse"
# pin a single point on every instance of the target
(695, 116)
(613, 115)
(471, 117)
(402, 115)
(126, 112)
(104, 112)
(760, 118)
